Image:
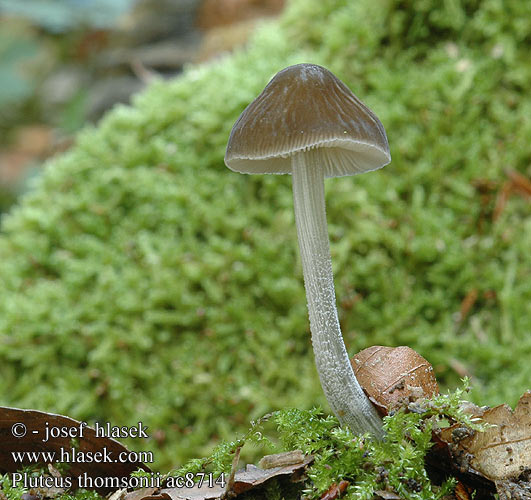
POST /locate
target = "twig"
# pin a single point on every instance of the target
(228, 493)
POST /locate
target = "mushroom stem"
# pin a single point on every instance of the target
(342, 390)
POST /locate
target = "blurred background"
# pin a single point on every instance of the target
(63, 63)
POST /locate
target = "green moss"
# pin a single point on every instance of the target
(395, 464)
(8, 490)
(142, 280)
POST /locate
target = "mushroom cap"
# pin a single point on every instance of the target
(306, 107)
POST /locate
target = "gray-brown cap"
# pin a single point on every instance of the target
(306, 107)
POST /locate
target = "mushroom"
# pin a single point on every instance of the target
(307, 123)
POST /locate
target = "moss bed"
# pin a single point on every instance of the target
(142, 280)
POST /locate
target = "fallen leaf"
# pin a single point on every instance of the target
(200, 493)
(335, 491)
(461, 492)
(253, 476)
(519, 489)
(31, 428)
(118, 494)
(503, 450)
(392, 377)
(244, 480)
(281, 459)
(146, 494)
(387, 495)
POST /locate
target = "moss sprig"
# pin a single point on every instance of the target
(396, 463)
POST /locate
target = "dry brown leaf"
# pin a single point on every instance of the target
(335, 491)
(281, 459)
(253, 476)
(202, 493)
(247, 479)
(393, 376)
(33, 424)
(140, 494)
(387, 495)
(515, 490)
(461, 492)
(502, 451)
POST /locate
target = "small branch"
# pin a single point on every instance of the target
(228, 493)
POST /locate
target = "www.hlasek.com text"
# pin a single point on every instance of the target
(71, 455)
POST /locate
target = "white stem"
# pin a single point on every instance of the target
(341, 388)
